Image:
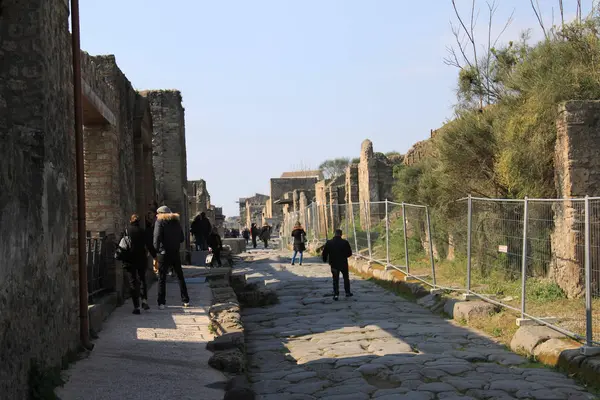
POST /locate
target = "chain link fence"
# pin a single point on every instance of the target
(537, 257)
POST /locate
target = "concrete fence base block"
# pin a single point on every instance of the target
(469, 310)
(589, 351)
(531, 322)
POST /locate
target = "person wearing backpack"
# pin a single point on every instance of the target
(299, 236)
(136, 263)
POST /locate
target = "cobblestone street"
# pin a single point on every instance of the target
(375, 345)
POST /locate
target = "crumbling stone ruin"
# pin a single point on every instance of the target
(39, 279)
(169, 152)
(375, 183)
(251, 209)
(577, 174)
(287, 183)
(198, 198)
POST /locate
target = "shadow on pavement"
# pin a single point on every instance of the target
(375, 345)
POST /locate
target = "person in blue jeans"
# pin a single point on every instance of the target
(299, 242)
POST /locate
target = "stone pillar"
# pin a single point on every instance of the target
(368, 190)
(351, 186)
(169, 157)
(577, 174)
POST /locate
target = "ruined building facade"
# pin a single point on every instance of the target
(39, 289)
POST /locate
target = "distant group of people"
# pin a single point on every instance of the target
(161, 238)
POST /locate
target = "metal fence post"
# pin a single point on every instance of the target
(469, 227)
(354, 227)
(406, 261)
(431, 259)
(368, 212)
(524, 258)
(387, 235)
(589, 333)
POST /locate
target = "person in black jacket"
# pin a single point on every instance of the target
(337, 251)
(201, 229)
(299, 236)
(137, 263)
(254, 232)
(215, 243)
(168, 236)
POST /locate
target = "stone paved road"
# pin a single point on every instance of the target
(158, 355)
(375, 346)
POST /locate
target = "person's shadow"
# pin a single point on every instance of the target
(374, 344)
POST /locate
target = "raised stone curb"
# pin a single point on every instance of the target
(542, 343)
(228, 346)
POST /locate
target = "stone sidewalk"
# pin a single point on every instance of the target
(154, 356)
(375, 345)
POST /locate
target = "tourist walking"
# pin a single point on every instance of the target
(168, 237)
(216, 245)
(336, 252)
(246, 235)
(254, 233)
(201, 229)
(265, 234)
(299, 236)
(136, 263)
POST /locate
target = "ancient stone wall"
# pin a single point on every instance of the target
(38, 275)
(351, 184)
(418, 152)
(577, 174)
(169, 151)
(279, 186)
(375, 183)
(198, 198)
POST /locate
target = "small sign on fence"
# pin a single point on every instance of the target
(503, 249)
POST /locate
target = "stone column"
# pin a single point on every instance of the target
(577, 174)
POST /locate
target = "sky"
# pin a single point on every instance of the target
(277, 85)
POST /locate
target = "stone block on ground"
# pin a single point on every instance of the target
(549, 351)
(226, 342)
(528, 337)
(430, 300)
(258, 298)
(469, 310)
(228, 361)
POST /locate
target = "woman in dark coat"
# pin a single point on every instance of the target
(137, 263)
(265, 234)
(299, 242)
(254, 232)
(215, 243)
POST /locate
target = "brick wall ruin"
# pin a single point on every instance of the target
(279, 186)
(577, 174)
(169, 151)
(38, 273)
(198, 198)
(375, 183)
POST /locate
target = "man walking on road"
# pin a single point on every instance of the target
(168, 236)
(337, 251)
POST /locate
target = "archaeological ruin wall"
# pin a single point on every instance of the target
(577, 174)
(38, 273)
(198, 198)
(280, 186)
(375, 184)
(169, 151)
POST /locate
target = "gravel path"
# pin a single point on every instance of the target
(375, 345)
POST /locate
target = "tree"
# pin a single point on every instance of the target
(333, 168)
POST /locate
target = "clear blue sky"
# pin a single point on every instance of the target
(271, 85)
